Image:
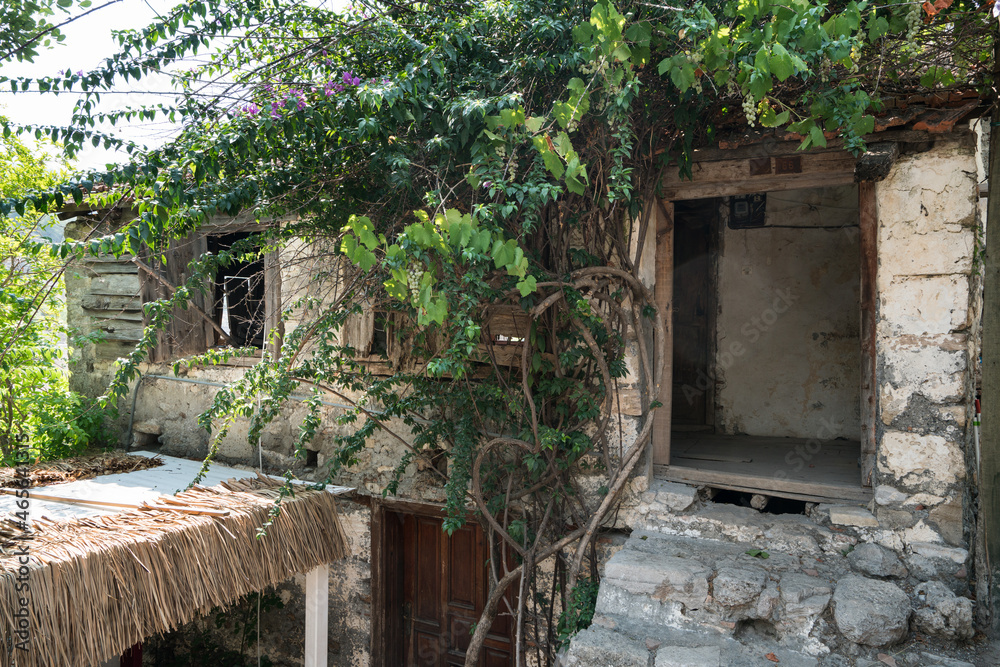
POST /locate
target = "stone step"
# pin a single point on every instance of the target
(645, 646)
(678, 509)
(795, 533)
(660, 584)
(704, 586)
(638, 645)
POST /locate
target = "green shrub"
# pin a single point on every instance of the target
(579, 612)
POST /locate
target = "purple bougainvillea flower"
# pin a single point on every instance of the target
(251, 109)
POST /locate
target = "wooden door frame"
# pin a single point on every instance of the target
(663, 294)
(386, 585)
(868, 241)
(760, 168)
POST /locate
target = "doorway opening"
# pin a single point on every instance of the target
(767, 343)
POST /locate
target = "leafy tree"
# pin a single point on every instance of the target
(441, 159)
(38, 412)
(29, 25)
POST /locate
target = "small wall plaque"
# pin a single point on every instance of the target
(789, 164)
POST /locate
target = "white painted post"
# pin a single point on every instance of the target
(317, 607)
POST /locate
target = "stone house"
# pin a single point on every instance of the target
(812, 482)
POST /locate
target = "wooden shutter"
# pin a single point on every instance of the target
(359, 330)
(190, 330)
(272, 301)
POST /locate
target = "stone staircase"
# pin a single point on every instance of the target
(723, 585)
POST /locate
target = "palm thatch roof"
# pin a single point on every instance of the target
(74, 468)
(100, 584)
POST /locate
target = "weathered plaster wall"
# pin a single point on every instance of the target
(788, 320)
(170, 408)
(927, 234)
(927, 312)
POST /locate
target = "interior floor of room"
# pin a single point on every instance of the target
(821, 471)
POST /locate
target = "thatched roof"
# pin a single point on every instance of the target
(77, 467)
(100, 584)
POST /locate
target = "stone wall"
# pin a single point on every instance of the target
(928, 226)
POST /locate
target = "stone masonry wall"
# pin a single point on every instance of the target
(928, 224)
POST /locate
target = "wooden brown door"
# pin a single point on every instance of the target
(444, 590)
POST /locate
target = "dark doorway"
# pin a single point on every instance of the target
(695, 243)
(434, 588)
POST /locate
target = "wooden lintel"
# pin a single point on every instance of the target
(722, 178)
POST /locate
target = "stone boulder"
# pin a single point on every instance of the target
(871, 612)
(734, 587)
(875, 561)
(945, 614)
(607, 648)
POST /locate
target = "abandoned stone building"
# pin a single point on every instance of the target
(812, 480)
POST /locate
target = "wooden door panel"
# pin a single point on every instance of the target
(496, 658)
(427, 558)
(444, 591)
(463, 558)
(460, 632)
(427, 647)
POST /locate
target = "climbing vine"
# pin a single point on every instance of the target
(439, 161)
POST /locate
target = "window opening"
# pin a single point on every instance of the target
(312, 458)
(239, 294)
(380, 335)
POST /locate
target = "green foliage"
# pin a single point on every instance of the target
(63, 423)
(28, 25)
(579, 612)
(37, 410)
